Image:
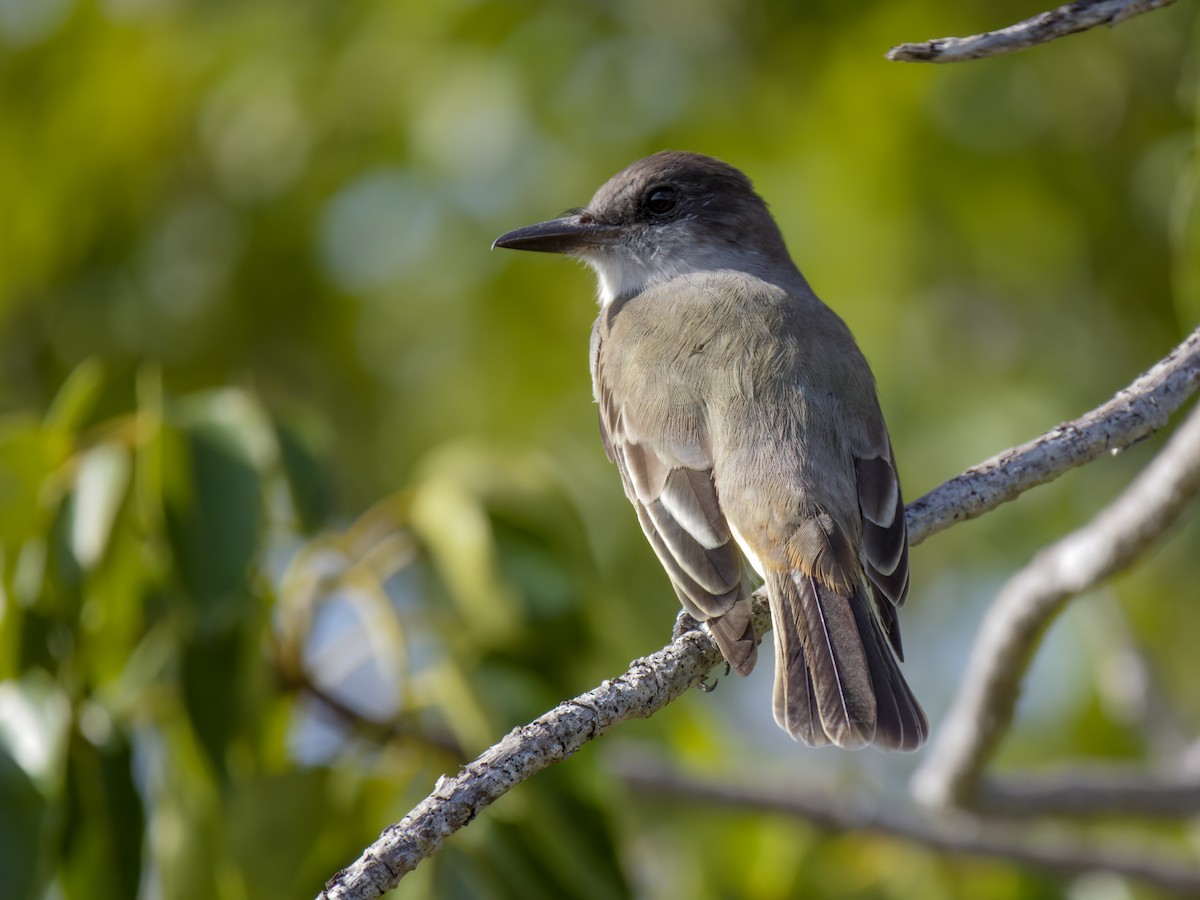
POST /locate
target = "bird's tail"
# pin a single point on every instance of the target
(836, 678)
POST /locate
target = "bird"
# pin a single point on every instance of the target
(746, 427)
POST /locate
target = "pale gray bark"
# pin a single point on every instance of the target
(1054, 23)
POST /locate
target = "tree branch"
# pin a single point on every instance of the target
(394, 729)
(1039, 29)
(1014, 624)
(653, 682)
(649, 685)
(1053, 851)
(1133, 414)
(1109, 791)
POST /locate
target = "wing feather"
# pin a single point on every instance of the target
(884, 538)
(679, 511)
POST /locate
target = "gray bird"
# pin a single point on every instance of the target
(744, 421)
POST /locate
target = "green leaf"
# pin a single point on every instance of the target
(34, 717)
(214, 498)
(307, 478)
(77, 397)
(101, 484)
(102, 844)
(29, 456)
(211, 676)
(23, 810)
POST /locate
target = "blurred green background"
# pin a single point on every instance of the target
(302, 500)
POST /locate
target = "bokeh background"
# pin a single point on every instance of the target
(302, 500)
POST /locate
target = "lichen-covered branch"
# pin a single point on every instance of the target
(1054, 23)
(1015, 622)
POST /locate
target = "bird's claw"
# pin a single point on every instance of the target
(709, 686)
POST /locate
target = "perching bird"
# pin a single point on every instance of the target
(744, 421)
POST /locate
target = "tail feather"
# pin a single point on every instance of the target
(901, 723)
(795, 707)
(836, 679)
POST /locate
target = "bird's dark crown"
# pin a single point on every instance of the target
(639, 193)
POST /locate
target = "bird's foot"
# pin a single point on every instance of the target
(707, 686)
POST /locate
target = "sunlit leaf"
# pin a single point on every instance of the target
(34, 718)
(101, 482)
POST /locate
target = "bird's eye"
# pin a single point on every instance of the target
(660, 201)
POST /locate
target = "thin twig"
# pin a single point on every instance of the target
(653, 682)
(1015, 622)
(291, 675)
(1039, 29)
(1045, 849)
(394, 729)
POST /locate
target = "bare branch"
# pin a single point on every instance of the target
(1013, 625)
(1107, 791)
(1039, 29)
(653, 682)
(1051, 850)
(649, 685)
(1133, 414)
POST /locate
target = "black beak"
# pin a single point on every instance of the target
(570, 234)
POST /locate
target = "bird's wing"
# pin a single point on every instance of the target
(884, 537)
(679, 511)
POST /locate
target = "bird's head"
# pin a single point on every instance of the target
(667, 215)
